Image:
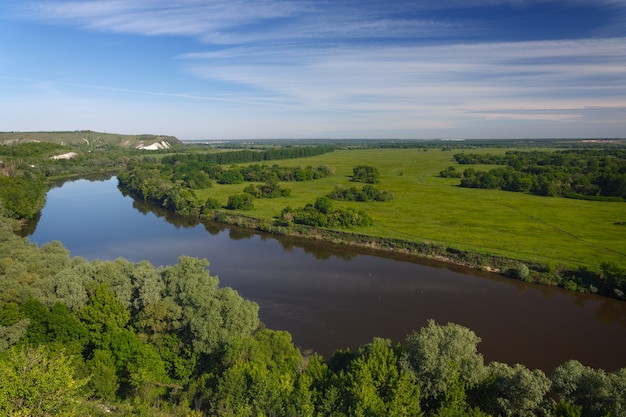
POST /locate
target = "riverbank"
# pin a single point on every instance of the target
(580, 280)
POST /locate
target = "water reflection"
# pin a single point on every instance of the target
(334, 296)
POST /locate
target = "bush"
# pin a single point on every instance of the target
(240, 202)
(212, 204)
(520, 271)
(365, 173)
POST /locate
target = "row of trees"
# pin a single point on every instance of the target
(573, 173)
(248, 156)
(197, 176)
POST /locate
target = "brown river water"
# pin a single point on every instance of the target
(332, 296)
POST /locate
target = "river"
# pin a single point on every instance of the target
(332, 296)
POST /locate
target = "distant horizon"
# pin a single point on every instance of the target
(237, 69)
(158, 135)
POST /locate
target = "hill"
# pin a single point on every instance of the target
(94, 140)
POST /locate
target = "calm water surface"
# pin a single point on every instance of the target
(330, 297)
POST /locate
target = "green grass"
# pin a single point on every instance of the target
(427, 208)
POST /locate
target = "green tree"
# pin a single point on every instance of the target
(514, 391)
(263, 377)
(11, 334)
(147, 285)
(240, 202)
(37, 383)
(377, 387)
(615, 275)
(104, 312)
(210, 316)
(435, 355)
(598, 393)
(323, 205)
(103, 371)
(232, 176)
(365, 173)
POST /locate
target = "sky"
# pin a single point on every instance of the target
(270, 69)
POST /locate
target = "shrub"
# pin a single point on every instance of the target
(240, 202)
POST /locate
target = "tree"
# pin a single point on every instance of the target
(70, 287)
(262, 377)
(232, 176)
(11, 334)
(103, 371)
(513, 391)
(209, 316)
(148, 287)
(377, 387)
(37, 383)
(211, 204)
(365, 173)
(598, 393)
(103, 315)
(240, 202)
(615, 275)
(436, 353)
(323, 205)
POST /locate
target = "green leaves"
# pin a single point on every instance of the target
(435, 355)
(378, 387)
(365, 173)
(37, 383)
(210, 316)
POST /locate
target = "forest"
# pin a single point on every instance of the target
(582, 173)
(119, 338)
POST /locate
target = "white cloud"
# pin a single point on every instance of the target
(293, 66)
(462, 76)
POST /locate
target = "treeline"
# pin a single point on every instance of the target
(173, 186)
(248, 156)
(120, 338)
(27, 169)
(22, 197)
(586, 174)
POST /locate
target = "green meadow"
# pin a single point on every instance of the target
(428, 208)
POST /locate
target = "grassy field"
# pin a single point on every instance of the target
(427, 208)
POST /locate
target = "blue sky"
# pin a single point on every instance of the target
(241, 69)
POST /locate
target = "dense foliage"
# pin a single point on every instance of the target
(323, 214)
(120, 338)
(598, 173)
(367, 193)
(365, 173)
(21, 198)
(246, 156)
(270, 189)
(240, 202)
(172, 181)
(25, 171)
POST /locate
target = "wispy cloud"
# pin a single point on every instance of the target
(469, 76)
(244, 21)
(364, 66)
(241, 21)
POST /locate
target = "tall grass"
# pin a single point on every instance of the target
(428, 208)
